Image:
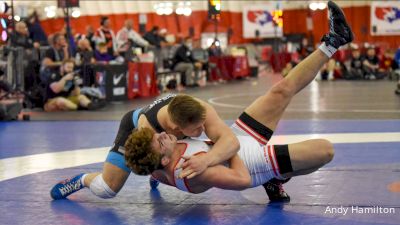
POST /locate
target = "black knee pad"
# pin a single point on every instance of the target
(283, 158)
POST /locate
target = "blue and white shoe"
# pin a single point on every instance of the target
(153, 183)
(67, 187)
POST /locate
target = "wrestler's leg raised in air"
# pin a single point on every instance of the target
(268, 109)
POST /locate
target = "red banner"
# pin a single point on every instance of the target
(229, 67)
(142, 81)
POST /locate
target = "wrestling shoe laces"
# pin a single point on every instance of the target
(275, 191)
(66, 187)
(339, 31)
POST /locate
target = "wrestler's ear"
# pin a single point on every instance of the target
(164, 160)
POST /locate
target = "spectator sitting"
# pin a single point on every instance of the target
(356, 65)
(84, 54)
(388, 65)
(54, 56)
(84, 57)
(101, 54)
(215, 49)
(63, 92)
(371, 65)
(331, 70)
(186, 64)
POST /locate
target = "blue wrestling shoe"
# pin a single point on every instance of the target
(153, 183)
(66, 187)
(339, 31)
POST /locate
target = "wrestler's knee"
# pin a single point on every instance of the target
(283, 89)
(327, 151)
(101, 188)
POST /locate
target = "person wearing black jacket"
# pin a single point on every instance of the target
(186, 64)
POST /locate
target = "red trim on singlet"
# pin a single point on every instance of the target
(272, 161)
(251, 134)
(276, 160)
(173, 173)
(185, 179)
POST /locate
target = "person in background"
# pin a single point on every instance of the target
(54, 56)
(356, 65)
(186, 64)
(63, 91)
(36, 32)
(371, 64)
(127, 34)
(101, 54)
(84, 57)
(105, 35)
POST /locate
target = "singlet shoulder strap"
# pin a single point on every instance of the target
(151, 111)
(193, 147)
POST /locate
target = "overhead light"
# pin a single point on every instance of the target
(317, 5)
(321, 5)
(17, 18)
(313, 6)
(76, 13)
(160, 11)
(51, 14)
(50, 11)
(168, 11)
(179, 11)
(187, 11)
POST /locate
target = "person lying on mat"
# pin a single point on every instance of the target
(256, 162)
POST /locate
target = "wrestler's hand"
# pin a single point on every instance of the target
(193, 165)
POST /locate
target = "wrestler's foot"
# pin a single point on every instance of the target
(153, 183)
(275, 192)
(339, 31)
(66, 187)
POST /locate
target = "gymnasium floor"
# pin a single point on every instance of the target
(361, 118)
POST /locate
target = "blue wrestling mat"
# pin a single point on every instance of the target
(360, 186)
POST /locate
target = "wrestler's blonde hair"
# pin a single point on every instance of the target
(184, 110)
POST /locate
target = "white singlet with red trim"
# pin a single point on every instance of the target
(256, 158)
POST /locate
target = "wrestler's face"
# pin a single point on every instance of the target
(193, 130)
(164, 143)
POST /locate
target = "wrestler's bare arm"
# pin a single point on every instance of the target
(225, 146)
(236, 177)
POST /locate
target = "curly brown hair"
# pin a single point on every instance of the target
(139, 154)
(185, 110)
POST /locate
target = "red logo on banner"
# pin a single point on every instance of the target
(389, 14)
(260, 17)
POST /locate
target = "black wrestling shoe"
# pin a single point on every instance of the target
(339, 31)
(275, 192)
